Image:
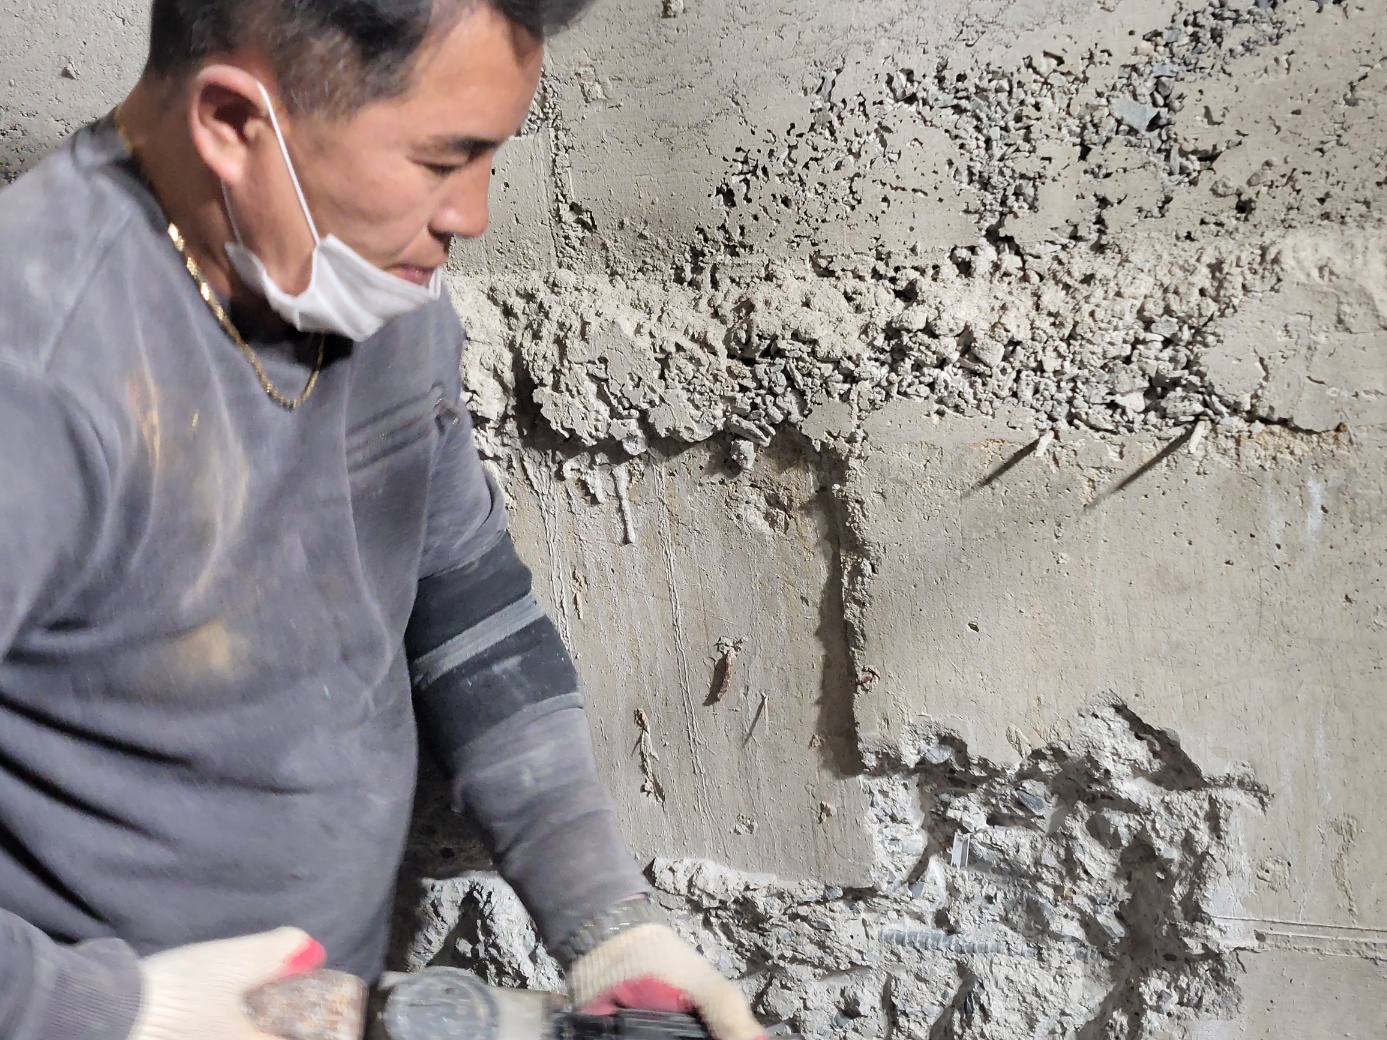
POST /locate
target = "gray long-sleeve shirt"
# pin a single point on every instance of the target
(206, 722)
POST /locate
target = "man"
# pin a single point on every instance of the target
(245, 536)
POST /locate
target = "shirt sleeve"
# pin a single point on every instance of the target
(481, 648)
(52, 489)
(550, 822)
(466, 512)
(499, 705)
(49, 991)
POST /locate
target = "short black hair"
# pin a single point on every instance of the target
(330, 56)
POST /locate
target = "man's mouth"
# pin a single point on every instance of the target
(413, 273)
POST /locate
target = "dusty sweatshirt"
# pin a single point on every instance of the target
(207, 719)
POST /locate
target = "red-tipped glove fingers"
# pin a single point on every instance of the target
(650, 968)
(198, 992)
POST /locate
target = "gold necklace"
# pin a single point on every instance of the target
(209, 297)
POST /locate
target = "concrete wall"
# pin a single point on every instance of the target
(62, 65)
(951, 438)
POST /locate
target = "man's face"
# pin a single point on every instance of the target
(399, 178)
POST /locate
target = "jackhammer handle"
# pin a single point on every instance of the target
(319, 1005)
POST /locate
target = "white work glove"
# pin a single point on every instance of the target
(649, 968)
(198, 992)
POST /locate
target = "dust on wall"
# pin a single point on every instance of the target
(61, 65)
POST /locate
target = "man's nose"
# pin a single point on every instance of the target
(463, 213)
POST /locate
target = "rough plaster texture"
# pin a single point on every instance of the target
(62, 65)
(1056, 333)
(952, 439)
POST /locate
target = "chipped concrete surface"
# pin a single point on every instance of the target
(951, 438)
(1115, 230)
(1087, 887)
(1234, 593)
(1071, 316)
(1091, 886)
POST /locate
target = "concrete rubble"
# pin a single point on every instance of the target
(1084, 891)
(1118, 227)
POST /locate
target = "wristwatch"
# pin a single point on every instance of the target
(608, 924)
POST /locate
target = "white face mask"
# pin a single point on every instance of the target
(346, 294)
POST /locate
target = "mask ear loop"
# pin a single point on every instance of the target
(284, 150)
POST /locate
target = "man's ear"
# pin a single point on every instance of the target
(227, 116)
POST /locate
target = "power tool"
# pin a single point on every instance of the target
(444, 1004)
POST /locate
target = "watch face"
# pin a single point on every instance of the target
(441, 1004)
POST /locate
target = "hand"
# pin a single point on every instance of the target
(198, 992)
(650, 968)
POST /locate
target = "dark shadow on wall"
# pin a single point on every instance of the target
(441, 844)
(837, 722)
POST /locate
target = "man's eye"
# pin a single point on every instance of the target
(442, 169)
